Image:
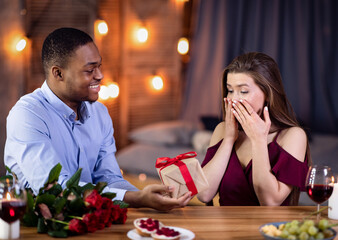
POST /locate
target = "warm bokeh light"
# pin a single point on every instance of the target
(157, 82)
(110, 91)
(104, 92)
(183, 46)
(114, 90)
(21, 44)
(142, 177)
(101, 27)
(142, 34)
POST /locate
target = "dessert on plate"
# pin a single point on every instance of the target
(166, 233)
(146, 226)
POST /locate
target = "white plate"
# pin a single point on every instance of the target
(185, 234)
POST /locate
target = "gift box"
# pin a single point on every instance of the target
(184, 172)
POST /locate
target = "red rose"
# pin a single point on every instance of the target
(123, 216)
(103, 216)
(90, 220)
(115, 213)
(94, 200)
(109, 223)
(77, 226)
(118, 215)
(107, 203)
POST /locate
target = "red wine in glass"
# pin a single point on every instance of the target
(319, 193)
(319, 184)
(10, 211)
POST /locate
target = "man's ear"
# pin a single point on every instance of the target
(57, 72)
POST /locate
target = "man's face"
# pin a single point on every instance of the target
(82, 76)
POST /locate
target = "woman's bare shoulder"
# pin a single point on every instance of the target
(294, 141)
(217, 135)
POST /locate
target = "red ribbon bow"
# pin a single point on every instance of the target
(166, 161)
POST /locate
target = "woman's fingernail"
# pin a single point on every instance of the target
(241, 100)
(266, 108)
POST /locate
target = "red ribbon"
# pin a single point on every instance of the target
(166, 161)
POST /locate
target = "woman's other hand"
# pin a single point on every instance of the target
(230, 123)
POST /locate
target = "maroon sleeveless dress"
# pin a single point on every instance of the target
(236, 186)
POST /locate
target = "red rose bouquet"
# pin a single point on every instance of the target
(74, 210)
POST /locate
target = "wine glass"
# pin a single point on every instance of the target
(319, 184)
(12, 202)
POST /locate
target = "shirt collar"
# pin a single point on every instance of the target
(63, 108)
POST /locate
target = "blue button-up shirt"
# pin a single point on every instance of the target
(42, 131)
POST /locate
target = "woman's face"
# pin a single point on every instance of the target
(242, 86)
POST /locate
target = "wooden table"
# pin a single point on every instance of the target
(205, 222)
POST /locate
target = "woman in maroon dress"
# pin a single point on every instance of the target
(258, 155)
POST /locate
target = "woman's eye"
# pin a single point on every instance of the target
(230, 91)
(244, 92)
(90, 71)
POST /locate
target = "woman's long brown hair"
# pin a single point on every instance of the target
(265, 72)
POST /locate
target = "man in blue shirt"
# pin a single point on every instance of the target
(62, 122)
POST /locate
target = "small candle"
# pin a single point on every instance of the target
(333, 203)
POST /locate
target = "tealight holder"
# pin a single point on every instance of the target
(12, 208)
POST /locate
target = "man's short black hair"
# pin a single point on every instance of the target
(60, 45)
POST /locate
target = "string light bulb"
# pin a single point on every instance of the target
(157, 82)
(142, 34)
(102, 27)
(183, 46)
(21, 44)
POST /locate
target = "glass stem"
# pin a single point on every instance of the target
(318, 214)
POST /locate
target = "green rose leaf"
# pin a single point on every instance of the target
(30, 201)
(56, 190)
(45, 198)
(66, 192)
(58, 234)
(109, 195)
(42, 226)
(76, 206)
(76, 190)
(74, 180)
(54, 174)
(30, 219)
(59, 204)
(88, 186)
(100, 186)
(121, 203)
